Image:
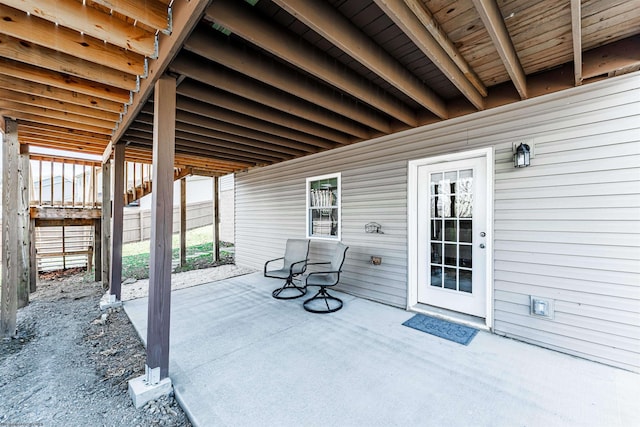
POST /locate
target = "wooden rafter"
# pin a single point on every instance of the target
(242, 20)
(212, 47)
(497, 29)
(244, 112)
(65, 132)
(576, 36)
(30, 28)
(33, 54)
(59, 95)
(149, 12)
(35, 118)
(54, 114)
(217, 76)
(92, 22)
(185, 16)
(64, 81)
(331, 25)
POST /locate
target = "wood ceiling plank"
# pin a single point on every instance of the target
(269, 120)
(337, 29)
(185, 16)
(32, 29)
(54, 114)
(242, 20)
(440, 51)
(494, 23)
(211, 46)
(37, 101)
(65, 81)
(33, 54)
(153, 13)
(90, 21)
(40, 134)
(61, 142)
(609, 58)
(216, 76)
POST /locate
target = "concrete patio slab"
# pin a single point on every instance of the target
(241, 358)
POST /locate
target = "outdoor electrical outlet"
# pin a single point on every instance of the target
(376, 260)
(541, 307)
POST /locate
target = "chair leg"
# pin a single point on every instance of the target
(289, 285)
(322, 295)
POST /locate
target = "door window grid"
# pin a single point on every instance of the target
(323, 207)
(451, 207)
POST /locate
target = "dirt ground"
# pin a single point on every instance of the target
(70, 363)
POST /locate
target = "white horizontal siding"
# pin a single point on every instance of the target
(567, 228)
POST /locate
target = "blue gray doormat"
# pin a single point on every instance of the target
(441, 328)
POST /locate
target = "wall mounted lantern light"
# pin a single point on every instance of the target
(522, 156)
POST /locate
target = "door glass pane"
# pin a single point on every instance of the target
(450, 231)
(436, 179)
(465, 231)
(465, 256)
(464, 194)
(450, 254)
(436, 229)
(436, 276)
(465, 281)
(450, 278)
(436, 253)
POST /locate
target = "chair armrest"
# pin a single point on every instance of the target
(318, 263)
(271, 260)
(299, 262)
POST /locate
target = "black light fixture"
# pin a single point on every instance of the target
(522, 156)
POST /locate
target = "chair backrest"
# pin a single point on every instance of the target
(296, 250)
(338, 260)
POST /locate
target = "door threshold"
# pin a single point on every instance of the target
(451, 316)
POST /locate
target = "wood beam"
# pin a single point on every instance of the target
(337, 29)
(494, 23)
(216, 76)
(54, 114)
(33, 54)
(36, 101)
(56, 94)
(430, 23)
(100, 92)
(64, 213)
(97, 250)
(159, 313)
(153, 13)
(213, 47)
(22, 224)
(31, 29)
(57, 131)
(216, 219)
(55, 122)
(249, 114)
(90, 21)
(61, 144)
(576, 36)
(241, 19)
(185, 16)
(209, 116)
(2, 125)
(466, 82)
(611, 57)
(27, 132)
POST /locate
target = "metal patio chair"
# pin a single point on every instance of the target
(294, 263)
(325, 279)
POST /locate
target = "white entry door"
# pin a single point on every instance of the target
(451, 235)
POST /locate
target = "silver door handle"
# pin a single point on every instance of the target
(482, 234)
(481, 245)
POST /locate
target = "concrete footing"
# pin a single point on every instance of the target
(142, 392)
(109, 301)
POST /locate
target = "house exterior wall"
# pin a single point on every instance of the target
(567, 228)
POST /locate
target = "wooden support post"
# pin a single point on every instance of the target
(10, 159)
(158, 320)
(106, 223)
(33, 257)
(216, 218)
(97, 249)
(115, 281)
(183, 222)
(23, 223)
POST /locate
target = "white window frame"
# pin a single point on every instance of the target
(338, 206)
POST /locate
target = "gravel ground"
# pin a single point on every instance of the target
(70, 363)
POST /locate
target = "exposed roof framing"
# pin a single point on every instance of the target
(266, 81)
